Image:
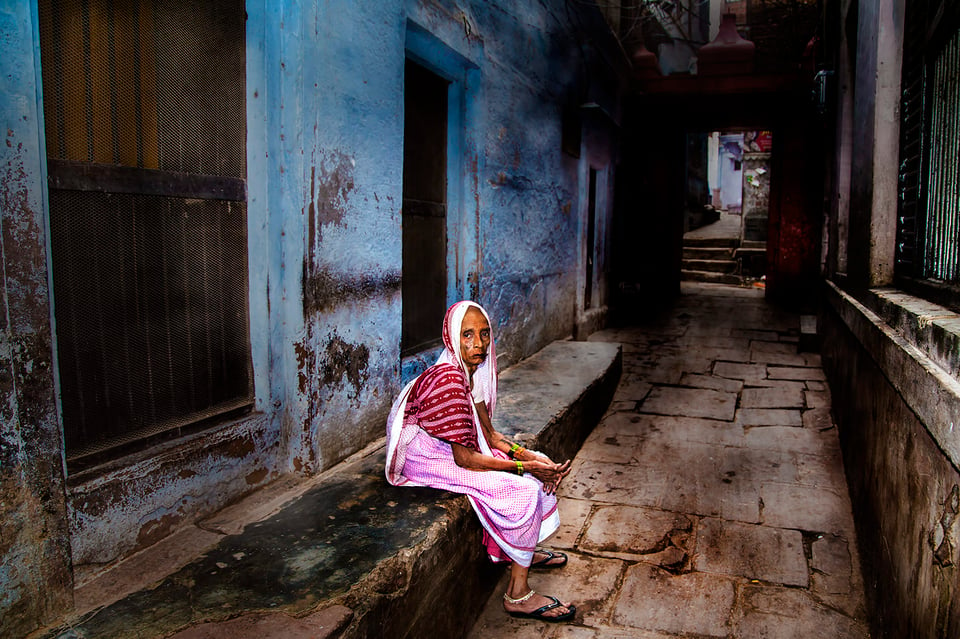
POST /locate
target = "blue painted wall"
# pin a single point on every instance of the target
(325, 170)
(35, 579)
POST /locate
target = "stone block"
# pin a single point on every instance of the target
(793, 440)
(767, 554)
(807, 508)
(690, 402)
(695, 604)
(778, 613)
(573, 517)
(773, 397)
(756, 417)
(627, 530)
(796, 373)
(746, 372)
(832, 565)
(696, 380)
(817, 399)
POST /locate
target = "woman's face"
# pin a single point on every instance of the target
(474, 339)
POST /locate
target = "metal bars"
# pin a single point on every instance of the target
(942, 241)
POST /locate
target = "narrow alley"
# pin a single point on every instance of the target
(710, 501)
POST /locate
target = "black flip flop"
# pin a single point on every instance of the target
(544, 563)
(538, 613)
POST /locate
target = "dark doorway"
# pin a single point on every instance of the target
(591, 238)
(424, 208)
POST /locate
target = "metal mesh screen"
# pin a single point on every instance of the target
(145, 83)
(151, 311)
(145, 131)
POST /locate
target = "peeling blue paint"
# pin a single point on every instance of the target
(325, 184)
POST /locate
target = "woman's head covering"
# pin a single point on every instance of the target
(484, 390)
(485, 377)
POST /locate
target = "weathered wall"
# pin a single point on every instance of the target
(35, 579)
(895, 410)
(890, 357)
(876, 129)
(325, 170)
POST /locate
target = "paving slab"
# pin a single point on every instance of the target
(805, 508)
(832, 565)
(690, 402)
(795, 440)
(736, 526)
(817, 399)
(775, 397)
(573, 518)
(758, 465)
(798, 373)
(589, 582)
(736, 370)
(695, 604)
(818, 418)
(763, 553)
(625, 530)
(777, 613)
(769, 417)
(697, 380)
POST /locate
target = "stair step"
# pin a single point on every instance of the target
(707, 253)
(712, 266)
(723, 242)
(706, 276)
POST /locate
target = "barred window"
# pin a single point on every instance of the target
(928, 232)
(144, 107)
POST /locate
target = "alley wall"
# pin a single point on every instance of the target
(324, 182)
(891, 356)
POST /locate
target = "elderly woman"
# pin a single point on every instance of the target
(439, 434)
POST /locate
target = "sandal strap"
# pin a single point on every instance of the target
(513, 601)
(542, 609)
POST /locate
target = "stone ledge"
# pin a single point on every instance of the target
(910, 370)
(933, 329)
(352, 556)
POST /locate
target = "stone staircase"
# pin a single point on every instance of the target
(710, 259)
(722, 260)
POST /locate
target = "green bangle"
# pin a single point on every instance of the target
(520, 468)
(513, 450)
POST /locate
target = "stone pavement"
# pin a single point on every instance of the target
(710, 501)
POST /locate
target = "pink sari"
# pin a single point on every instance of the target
(515, 512)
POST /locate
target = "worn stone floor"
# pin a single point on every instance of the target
(710, 501)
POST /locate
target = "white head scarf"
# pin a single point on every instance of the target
(484, 390)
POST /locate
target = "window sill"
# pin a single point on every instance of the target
(915, 345)
(932, 328)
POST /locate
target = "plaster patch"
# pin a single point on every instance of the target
(345, 362)
(330, 187)
(943, 538)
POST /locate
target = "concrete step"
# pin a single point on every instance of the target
(708, 276)
(721, 242)
(707, 253)
(347, 555)
(712, 266)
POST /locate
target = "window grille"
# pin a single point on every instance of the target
(928, 230)
(144, 108)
